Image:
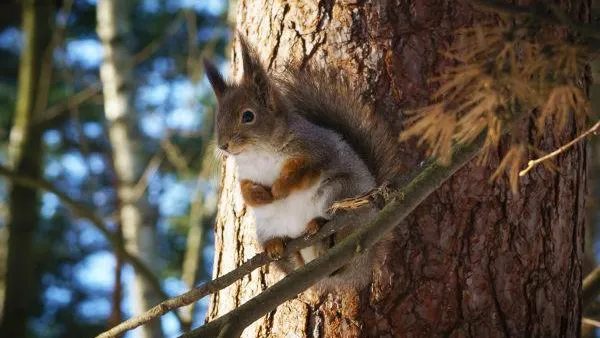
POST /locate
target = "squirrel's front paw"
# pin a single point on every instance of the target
(280, 189)
(255, 194)
(274, 247)
(313, 226)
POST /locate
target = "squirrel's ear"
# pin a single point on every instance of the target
(215, 78)
(253, 71)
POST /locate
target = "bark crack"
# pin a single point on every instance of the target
(277, 38)
(497, 306)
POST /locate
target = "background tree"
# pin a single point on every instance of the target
(137, 220)
(77, 286)
(25, 156)
(475, 258)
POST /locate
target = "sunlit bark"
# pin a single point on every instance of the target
(474, 259)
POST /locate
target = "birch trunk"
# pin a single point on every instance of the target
(136, 219)
(474, 260)
(25, 156)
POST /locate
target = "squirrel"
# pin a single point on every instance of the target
(301, 140)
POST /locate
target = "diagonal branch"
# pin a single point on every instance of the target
(87, 213)
(415, 192)
(217, 284)
(399, 205)
(57, 111)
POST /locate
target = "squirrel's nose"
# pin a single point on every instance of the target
(224, 146)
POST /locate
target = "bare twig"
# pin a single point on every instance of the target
(531, 164)
(87, 213)
(173, 154)
(73, 101)
(151, 168)
(591, 322)
(155, 45)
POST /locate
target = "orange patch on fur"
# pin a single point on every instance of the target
(298, 173)
(255, 194)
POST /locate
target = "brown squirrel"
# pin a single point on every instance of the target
(301, 139)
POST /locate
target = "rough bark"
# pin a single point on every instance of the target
(593, 198)
(137, 221)
(25, 155)
(474, 259)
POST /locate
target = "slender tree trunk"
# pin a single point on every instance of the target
(136, 218)
(25, 155)
(474, 259)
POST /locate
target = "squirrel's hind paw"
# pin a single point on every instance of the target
(274, 247)
(313, 226)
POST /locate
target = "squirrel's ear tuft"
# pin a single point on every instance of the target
(249, 62)
(253, 71)
(216, 79)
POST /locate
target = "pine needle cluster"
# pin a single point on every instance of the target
(501, 75)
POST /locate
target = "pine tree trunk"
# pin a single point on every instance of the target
(136, 218)
(474, 259)
(593, 198)
(25, 157)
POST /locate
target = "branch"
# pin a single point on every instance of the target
(217, 284)
(155, 45)
(415, 192)
(590, 288)
(55, 113)
(591, 322)
(427, 180)
(531, 164)
(83, 211)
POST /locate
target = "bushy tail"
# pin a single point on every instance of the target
(327, 99)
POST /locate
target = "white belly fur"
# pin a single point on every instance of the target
(285, 217)
(289, 216)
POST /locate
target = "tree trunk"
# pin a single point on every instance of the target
(474, 259)
(593, 198)
(136, 218)
(25, 157)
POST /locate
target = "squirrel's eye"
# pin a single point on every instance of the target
(247, 116)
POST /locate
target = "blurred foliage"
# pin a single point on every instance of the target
(504, 74)
(74, 288)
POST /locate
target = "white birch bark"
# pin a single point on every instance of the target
(116, 74)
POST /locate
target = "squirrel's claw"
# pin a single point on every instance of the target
(274, 247)
(313, 226)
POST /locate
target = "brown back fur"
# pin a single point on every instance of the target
(327, 99)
